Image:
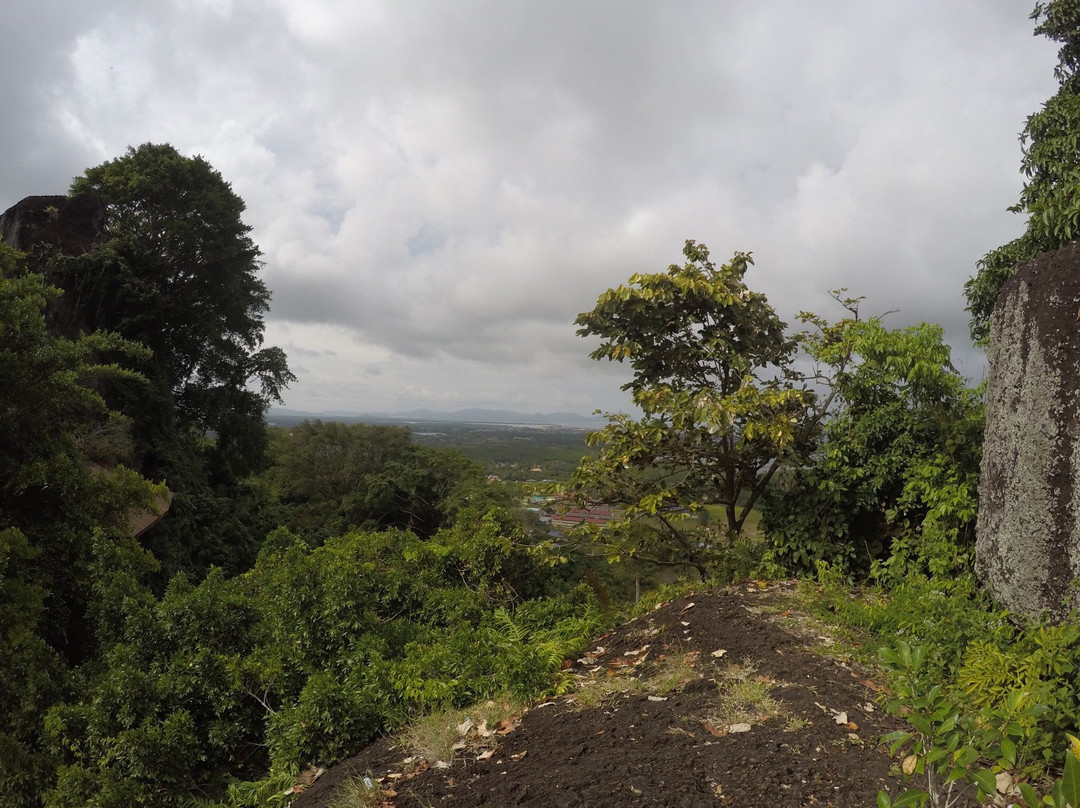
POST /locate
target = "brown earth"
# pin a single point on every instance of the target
(661, 718)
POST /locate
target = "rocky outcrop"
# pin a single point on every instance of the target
(1028, 536)
(70, 224)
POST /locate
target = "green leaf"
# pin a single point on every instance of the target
(883, 800)
(915, 796)
(966, 756)
(1070, 781)
(948, 723)
(936, 754)
(1008, 751)
(956, 774)
(898, 742)
(921, 724)
(895, 735)
(1031, 799)
(985, 779)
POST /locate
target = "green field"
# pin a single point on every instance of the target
(750, 527)
(512, 452)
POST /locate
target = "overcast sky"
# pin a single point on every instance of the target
(439, 188)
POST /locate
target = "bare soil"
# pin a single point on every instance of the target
(657, 721)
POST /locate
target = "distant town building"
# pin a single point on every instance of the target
(597, 515)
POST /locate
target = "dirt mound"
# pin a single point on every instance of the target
(708, 700)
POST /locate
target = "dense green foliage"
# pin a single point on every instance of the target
(991, 700)
(313, 588)
(332, 478)
(1051, 165)
(58, 511)
(868, 460)
(981, 693)
(892, 486)
(175, 270)
(516, 453)
(177, 273)
(307, 657)
(955, 752)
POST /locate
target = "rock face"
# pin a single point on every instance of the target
(71, 224)
(1028, 534)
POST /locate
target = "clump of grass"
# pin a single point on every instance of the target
(744, 697)
(438, 736)
(672, 673)
(605, 688)
(432, 737)
(796, 723)
(666, 592)
(357, 792)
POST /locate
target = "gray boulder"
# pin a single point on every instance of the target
(1028, 539)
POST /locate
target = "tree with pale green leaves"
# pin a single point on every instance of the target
(722, 411)
(859, 442)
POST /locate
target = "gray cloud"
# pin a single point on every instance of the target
(439, 189)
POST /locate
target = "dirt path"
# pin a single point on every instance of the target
(708, 700)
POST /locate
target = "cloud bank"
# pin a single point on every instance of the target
(439, 189)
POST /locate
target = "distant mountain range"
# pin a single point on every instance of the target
(474, 415)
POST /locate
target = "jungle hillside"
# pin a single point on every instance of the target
(201, 609)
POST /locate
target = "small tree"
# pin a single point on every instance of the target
(1051, 164)
(894, 478)
(721, 412)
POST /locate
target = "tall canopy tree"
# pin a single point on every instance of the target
(1051, 164)
(177, 272)
(719, 411)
